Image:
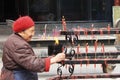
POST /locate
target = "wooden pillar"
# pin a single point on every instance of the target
(116, 2)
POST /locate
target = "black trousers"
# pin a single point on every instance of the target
(25, 75)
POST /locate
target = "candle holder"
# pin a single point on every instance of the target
(54, 49)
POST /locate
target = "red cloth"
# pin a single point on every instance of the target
(23, 23)
(47, 64)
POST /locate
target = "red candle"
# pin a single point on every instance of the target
(95, 45)
(101, 32)
(64, 24)
(78, 49)
(108, 28)
(87, 53)
(86, 48)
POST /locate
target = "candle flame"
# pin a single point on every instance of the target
(56, 41)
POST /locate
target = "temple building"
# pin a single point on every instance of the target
(53, 10)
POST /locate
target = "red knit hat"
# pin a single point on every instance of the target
(22, 23)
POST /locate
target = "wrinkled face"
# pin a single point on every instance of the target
(28, 33)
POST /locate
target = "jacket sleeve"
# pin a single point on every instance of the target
(25, 57)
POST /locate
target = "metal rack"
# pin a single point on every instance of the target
(87, 57)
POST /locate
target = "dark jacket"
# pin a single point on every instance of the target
(19, 55)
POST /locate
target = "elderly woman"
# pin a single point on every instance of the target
(19, 59)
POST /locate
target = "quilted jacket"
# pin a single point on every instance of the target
(19, 55)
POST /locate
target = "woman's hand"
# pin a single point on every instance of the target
(59, 57)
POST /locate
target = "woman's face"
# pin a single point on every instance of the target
(28, 33)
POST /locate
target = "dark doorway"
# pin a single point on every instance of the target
(12, 9)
